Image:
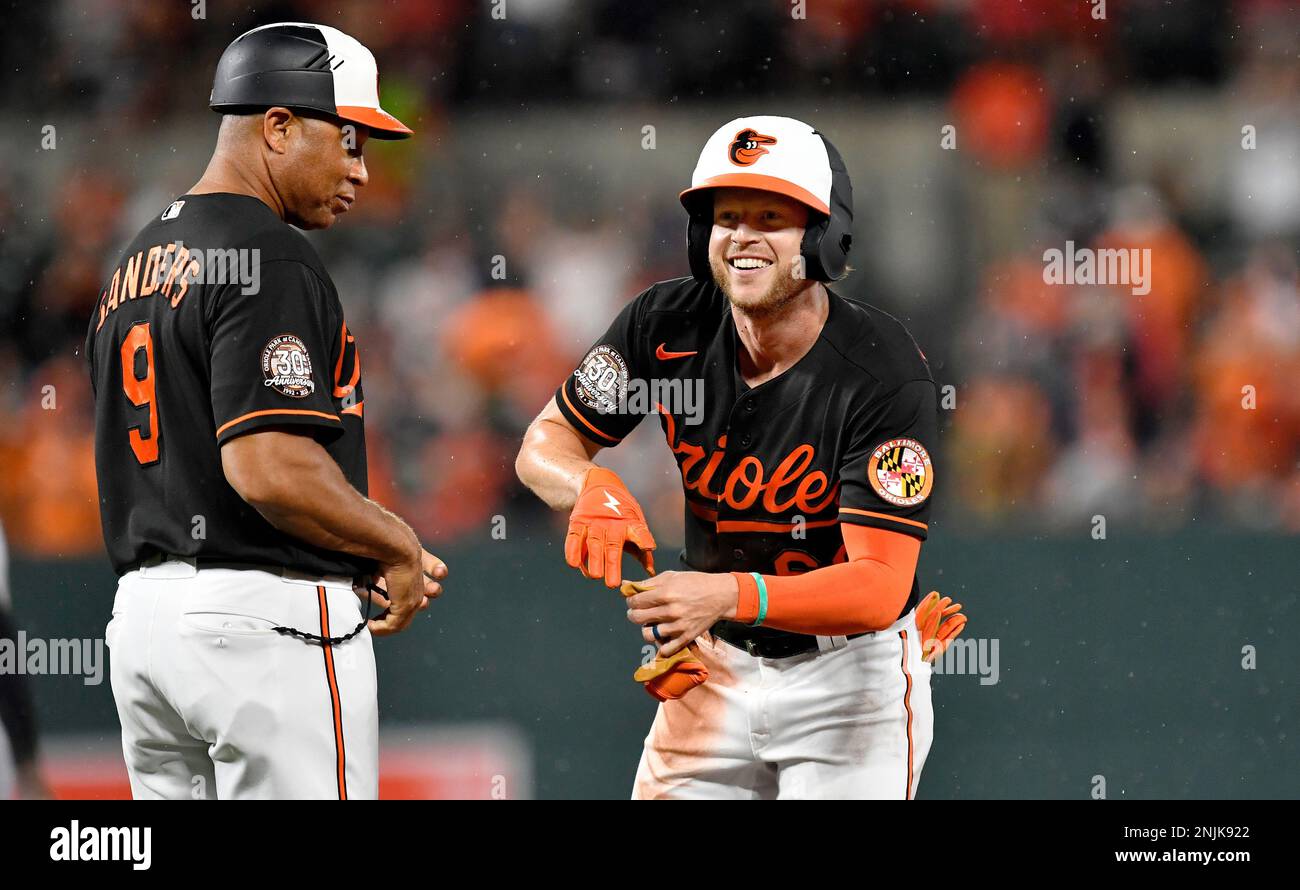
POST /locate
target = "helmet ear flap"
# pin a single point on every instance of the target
(813, 246)
(825, 249)
(827, 254)
(698, 231)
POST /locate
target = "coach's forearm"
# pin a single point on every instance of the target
(553, 460)
(297, 487)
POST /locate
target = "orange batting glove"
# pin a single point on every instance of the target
(938, 621)
(671, 677)
(674, 676)
(605, 521)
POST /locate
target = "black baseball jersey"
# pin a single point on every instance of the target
(770, 472)
(218, 320)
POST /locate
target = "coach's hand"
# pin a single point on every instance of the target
(605, 521)
(938, 621)
(681, 606)
(408, 588)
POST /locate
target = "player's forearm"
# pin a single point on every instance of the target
(297, 487)
(847, 598)
(553, 463)
(861, 595)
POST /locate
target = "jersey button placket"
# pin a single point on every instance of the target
(742, 417)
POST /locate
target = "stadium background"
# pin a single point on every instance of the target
(1119, 657)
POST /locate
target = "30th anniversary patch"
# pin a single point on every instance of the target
(900, 472)
(286, 367)
(601, 380)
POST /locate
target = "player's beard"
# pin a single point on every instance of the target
(783, 291)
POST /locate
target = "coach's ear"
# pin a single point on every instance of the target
(275, 128)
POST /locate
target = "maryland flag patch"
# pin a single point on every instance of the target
(900, 472)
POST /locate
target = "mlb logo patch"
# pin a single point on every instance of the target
(173, 211)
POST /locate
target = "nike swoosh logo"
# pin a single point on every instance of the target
(663, 354)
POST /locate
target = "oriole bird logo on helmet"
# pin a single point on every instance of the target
(747, 147)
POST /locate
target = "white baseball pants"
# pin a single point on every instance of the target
(215, 704)
(852, 720)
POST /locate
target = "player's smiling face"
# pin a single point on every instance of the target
(322, 171)
(754, 247)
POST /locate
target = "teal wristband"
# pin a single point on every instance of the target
(762, 598)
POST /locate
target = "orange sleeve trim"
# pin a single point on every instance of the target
(585, 422)
(747, 600)
(858, 512)
(299, 411)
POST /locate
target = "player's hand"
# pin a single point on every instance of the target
(671, 677)
(408, 588)
(681, 606)
(938, 621)
(605, 521)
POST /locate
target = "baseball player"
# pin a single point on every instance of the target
(790, 659)
(231, 456)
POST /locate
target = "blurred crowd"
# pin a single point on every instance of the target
(471, 303)
(106, 55)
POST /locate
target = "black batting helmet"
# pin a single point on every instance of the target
(297, 65)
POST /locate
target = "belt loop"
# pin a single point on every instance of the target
(170, 567)
(830, 644)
